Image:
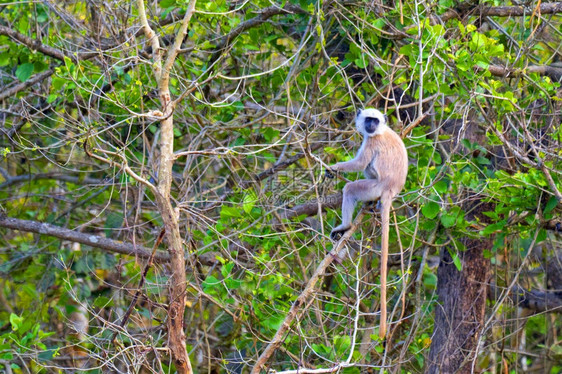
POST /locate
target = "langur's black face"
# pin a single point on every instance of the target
(371, 125)
(370, 122)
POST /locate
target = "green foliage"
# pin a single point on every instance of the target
(84, 137)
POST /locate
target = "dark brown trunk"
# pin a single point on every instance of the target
(460, 312)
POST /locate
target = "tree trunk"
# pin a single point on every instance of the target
(176, 307)
(459, 315)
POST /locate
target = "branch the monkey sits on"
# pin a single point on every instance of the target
(384, 162)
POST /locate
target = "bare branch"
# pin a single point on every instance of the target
(35, 44)
(263, 16)
(311, 207)
(554, 72)
(497, 11)
(108, 245)
(511, 11)
(535, 300)
(278, 167)
(10, 181)
(301, 303)
(174, 50)
(152, 39)
(28, 83)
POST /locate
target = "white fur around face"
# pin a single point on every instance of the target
(371, 113)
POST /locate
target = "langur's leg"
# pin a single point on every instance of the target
(362, 190)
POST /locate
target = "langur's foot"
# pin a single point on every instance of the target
(338, 232)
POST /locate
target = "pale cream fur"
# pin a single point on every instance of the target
(384, 162)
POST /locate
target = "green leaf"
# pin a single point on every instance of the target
(492, 228)
(452, 217)
(250, 199)
(431, 209)
(4, 58)
(24, 71)
(16, 321)
(167, 3)
(269, 133)
(456, 259)
(441, 186)
(210, 284)
(430, 280)
(51, 98)
(113, 221)
(448, 220)
(361, 63)
(103, 302)
(230, 211)
(551, 204)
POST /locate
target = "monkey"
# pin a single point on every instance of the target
(384, 161)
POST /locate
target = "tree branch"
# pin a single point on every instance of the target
(554, 72)
(497, 11)
(108, 245)
(512, 11)
(152, 38)
(263, 15)
(182, 33)
(35, 44)
(535, 300)
(28, 83)
(10, 181)
(302, 302)
(277, 167)
(311, 207)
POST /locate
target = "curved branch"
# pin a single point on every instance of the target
(11, 180)
(302, 302)
(263, 15)
(35, 44)
(498, 11)
(535, 300)
(311, 207)
(513, 11)
(108, 245)
(277, 167)
(28, 83)
(554, 72)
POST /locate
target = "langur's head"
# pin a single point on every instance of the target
(370, 122)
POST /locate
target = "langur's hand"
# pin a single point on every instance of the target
(330, 173)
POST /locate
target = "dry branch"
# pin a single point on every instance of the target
(34, 44)
(178, 282)
(277, 167)
(554, 72)
(95, 241)
(535, 300)
(311, 207)
(517, 11)
(301, 303)
(28, 83)
(263, 15)
(497, 11)
(12, 180)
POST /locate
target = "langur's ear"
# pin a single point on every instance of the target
(358, 112)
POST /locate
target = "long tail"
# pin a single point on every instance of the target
(386, 203)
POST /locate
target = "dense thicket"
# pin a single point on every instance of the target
(163, 206)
